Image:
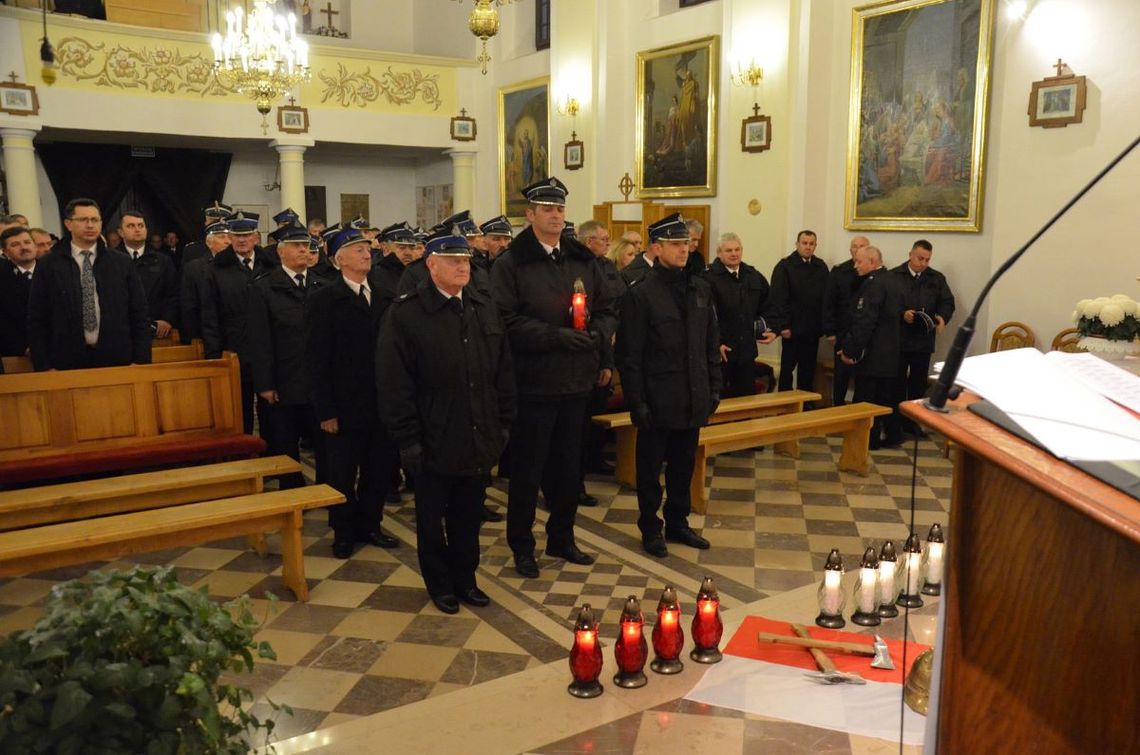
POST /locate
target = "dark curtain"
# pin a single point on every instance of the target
(177, 182)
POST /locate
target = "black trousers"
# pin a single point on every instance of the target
(546, 451)
(355, 468)
(881, 391)
(593, 436)
(914, 370)
(843, 373)
(283, 425)
(675, 449)
(447, 530)
(739, 378)
(798, 353)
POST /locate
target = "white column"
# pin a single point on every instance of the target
(20, 170)
(291, 155)
(462, 178)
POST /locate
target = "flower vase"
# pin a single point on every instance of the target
(1109, 350)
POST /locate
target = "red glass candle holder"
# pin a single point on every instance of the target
(631, 650)
(578, 305)
(585, 656)
(668, 636)
(707, 626)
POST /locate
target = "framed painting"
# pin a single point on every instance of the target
(920, 74)
(574, 154)
(19, 99)
(676, 119)
(756, 133)
(1057, 101)
(524, 142)
(292, 119)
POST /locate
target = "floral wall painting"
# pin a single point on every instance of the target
(917, 134)
(676, 119)
(524, 142)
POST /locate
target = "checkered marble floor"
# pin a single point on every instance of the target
(369, 639)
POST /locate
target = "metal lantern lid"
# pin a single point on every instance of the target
(632, 610)
(935, 534)
(870, 560)
(888, 552)
(668, 600)
(913, 544)
(708, 590)
(585, 620)
(834, 561)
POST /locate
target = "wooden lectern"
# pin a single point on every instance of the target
(1041, 647)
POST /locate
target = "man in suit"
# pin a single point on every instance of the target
(416, 271)
(557, 366)
(194, 276)
(86, 306)
(19, 251)
(398, 241)
(160, 281)
(642, 264)
(497, 235)
(798, 281)
(215, 213)
(282, 220)
(340, 352)
(696, 263)
(447, 394)
(842, 280)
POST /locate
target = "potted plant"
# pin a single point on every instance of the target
(1108, 326)
(130, 662)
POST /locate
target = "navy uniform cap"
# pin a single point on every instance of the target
(669, 228)
(286, 216)
(421, 235)
(242, 223)
(547, 191)
(568, 230)
(314, 245)
(328, 234)
(291, 232)
(360, 223)
(499, 226)
(218, 211)
(399, 233)
(448, 243)
(464, 221)
(220, 226)
(346, 237)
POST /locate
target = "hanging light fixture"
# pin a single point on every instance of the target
(261, 58)
(484, 24)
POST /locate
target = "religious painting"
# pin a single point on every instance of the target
(1057, 101)
(524, 142)
(756, 133)
(920, 74)
(18, 99)
(574, 154)
(292, 119)
(463, 128)
(676, 119)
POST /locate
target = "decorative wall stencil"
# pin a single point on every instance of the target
(398, 87)
(156, 70)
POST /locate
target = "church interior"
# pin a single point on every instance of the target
(367, 664)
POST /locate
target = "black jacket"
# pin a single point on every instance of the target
(55, 311)
(276, 323)
(635, 270)
(876, 313)
(225, 303)
(340, 353)
(841, 284)
(384, 278)
(191, 292)
(416, 273)
(740, 302)
(160, 281)
(614, 282)
(195, 250)
(929, 293)
(325, 268)
(445, 379)
(533, 294)
(667, 349)
(797, 295)
(14, 289)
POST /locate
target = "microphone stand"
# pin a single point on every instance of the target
(944, 389)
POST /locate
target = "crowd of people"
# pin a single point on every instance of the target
(424, 359)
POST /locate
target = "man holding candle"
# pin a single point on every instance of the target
(669, 357)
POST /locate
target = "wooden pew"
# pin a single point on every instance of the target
(81, 422)
(853, 421)
(55, 545)
(50, 504)
(186, 352)
(730, 410)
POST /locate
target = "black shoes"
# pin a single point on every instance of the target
(393, 496)
(587, 500)
(447, 603)
(490, 515)
(379, 538)
(526, 566)
(474, 597)
(686, 536)
(655, 546)
(601, 468)
(570, 553)
(342, 549)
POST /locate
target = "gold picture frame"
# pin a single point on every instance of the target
(574, 154)
(292, 119)
(18, 99)
(756, 133)
(676, 119)
(463, 127)
(1057, 101)
(524, 142)
(917, 130)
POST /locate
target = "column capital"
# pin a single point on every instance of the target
(19, 129)
(291, 144)
(456, 153)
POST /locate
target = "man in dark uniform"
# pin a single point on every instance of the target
(871, 346)
(194, 277)
(398, 242)
(642, 264)
(557, 367)
(798, 281)
(159, 278)
(497, 235)
(318, 261)
(16, 271)
(696, 263)
(447, 395)
(842, 280)
(225, 302)
(282, 220)
(740, 292)
(276, 324)
(416, 272)
(928, 304)
(340, 352)
(669, 358)
(215, 213)
(86, 306)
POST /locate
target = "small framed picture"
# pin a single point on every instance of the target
(1057, 101)
(292, 119)
(18, 99)
(574, 154)
(463, 128)
(756, 133)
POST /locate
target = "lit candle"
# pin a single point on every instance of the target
(585, 656)
(831, 598)
(668, 636)
(216, 43)
(935, 555)
(912, 572)
(888, 586)
(867, 591)
(631, 649)
(707, 626)
(578, 305)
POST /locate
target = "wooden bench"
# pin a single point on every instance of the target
(81, 422)
(55, 545)
(853, 421)
(159, 354)
(730, 410)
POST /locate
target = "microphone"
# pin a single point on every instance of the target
(944, 389)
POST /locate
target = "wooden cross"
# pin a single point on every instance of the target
(626, 186)
(463, 112)
(1060, 66)
(329, 13)
(755, 108)
(292, 101)
(13, 77)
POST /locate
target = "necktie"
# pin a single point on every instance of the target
(135, 255)
(28, 275)
(364, 296)
(456, 305)
(248, 262)
(300, 278)
(87, 293)
(556, 254)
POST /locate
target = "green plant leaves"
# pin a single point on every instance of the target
(70, 700)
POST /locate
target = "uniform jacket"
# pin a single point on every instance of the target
(225, 303)
(635, 270)
(191, 290)
(340, 353)
(276, 323)
(797, 295)
(160, 281)
(739, 303)
(14, 288)
(928, 292)
(876, 314)
(614, 282)
(445, 379)
(55, 311)
(416, 273)
(384, 278)
(841, 284)
(667, 349)
(324, 268)
(195, 250)
(533, 294)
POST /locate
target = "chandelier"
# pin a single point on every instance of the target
(484, 24)
(265, 59)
